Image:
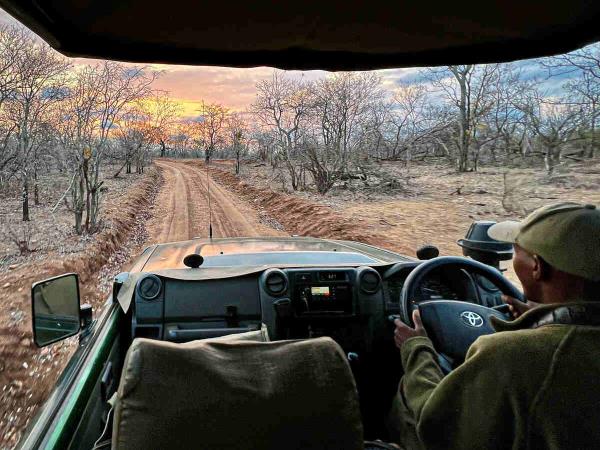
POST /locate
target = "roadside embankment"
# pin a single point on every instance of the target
(27, 373)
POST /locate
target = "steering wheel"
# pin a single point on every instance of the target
(453, 325)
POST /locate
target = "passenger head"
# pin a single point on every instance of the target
(557, 252)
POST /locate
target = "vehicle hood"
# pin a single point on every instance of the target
(248, 251)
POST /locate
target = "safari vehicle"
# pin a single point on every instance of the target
(296, 288)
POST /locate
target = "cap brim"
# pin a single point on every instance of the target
(505, 231)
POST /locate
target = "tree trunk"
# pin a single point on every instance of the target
(93, 214)
(476, 158)
(116, 175)
(592, 150)
(78, 221)
(25, 199)
(36, 193)
(87, 195)
(78, 205)
(549, 160)
(293, 175)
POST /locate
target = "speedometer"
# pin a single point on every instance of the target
(434, 289)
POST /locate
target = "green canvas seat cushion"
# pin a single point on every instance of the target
(237, 394)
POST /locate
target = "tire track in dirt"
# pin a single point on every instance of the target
(185, 212)
(171, 208)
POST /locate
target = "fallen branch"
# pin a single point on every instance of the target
(573, 158)
(64, 194)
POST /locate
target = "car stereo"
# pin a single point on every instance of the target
(323, 295)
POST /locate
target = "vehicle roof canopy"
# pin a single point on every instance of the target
(331, 35)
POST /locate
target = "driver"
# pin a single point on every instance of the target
(534, 383)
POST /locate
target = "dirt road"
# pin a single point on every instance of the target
(182, 212)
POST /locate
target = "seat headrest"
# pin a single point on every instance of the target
(237, 394)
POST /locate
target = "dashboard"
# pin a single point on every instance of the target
(292, 303)
(349, 304)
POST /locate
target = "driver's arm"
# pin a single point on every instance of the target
(465, 409)
(478, 405)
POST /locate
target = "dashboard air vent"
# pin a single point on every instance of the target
(275, 282)
(369, 281)
(149, 287)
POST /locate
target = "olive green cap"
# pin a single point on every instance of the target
(566, 235)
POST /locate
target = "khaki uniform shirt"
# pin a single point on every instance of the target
(521, 388)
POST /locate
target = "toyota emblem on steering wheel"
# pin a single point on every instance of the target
(472, 319)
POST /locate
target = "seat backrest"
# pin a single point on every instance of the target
(237, 394)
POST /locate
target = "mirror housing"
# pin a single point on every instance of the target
(55, 310)
(478, 245)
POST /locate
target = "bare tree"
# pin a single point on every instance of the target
(506, 124)
(185, 138)
(283, 103)
(554, 123)
(134, 135)
(586, 59)
(211, 126)
(324, 163)
(97, 98)
(414, 122)
(13, 41)
(468, 89)
(144, 124)
(163, 112)
(342, 103)
(585, 91)
(238, 131)
(583, 66)
(40, 76)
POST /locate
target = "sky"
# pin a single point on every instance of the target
(235, 88)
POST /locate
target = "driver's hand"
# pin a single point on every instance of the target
(517, 307)
(403, 332)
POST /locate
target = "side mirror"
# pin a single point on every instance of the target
(478, 245)
(55, 309)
